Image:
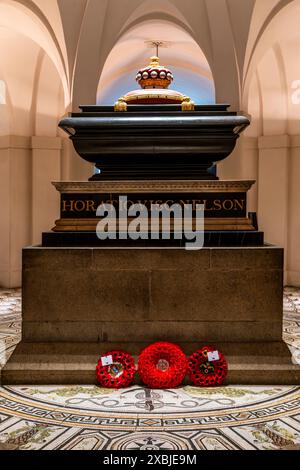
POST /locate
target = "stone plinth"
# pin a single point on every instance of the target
(224, 202)
(81, 302)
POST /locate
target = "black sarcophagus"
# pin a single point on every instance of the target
(154, 141)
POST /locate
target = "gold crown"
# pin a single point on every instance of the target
(154, 80)
(155, 75)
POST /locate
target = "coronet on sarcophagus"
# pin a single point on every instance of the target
(154, 132)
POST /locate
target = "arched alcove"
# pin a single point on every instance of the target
(218, 29)
(34, 95)
(19, 18)
(180, 52)
(49, 101)
(271, 86)
(26, 44)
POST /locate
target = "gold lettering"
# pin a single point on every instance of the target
(78, 204)
(169, 202)
(217, 205)
(206, 208)
(65, 206)
(225, 205)
(198, 201)
(183, 203)
(90, 206)
(239, 204)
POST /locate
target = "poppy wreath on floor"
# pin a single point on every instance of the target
(207, 367)
(115, 369)
(162, 365)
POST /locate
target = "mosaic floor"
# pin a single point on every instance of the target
(87, 417)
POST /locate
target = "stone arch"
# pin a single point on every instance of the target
(48, 102)
(99, 31)
(219, 27)
(280, 23)
(192, 72)
(272, 79)
(26, 19)
(34, 71)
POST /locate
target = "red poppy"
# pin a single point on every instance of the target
(119, 373)
(162, 365)
(204, 372)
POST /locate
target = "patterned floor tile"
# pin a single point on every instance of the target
(93, 418)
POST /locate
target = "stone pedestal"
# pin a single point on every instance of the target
(224, 207)
(81, 302)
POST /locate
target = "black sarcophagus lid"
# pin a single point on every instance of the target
(154, 132)
(154, 141)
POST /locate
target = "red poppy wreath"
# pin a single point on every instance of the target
(115, 369)
(207, 367)
(162, 365)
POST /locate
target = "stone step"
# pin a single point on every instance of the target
(74, 363)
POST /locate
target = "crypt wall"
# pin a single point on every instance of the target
(269, 150)
(33, 97)
(245, 53)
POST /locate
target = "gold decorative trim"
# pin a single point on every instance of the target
(157, 82)
(158, 186)
(187, 104)
(167, 97)
(120, 105)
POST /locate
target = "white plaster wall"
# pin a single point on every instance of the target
(268, 89)
(293, 255)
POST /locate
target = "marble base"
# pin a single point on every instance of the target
(81, 302)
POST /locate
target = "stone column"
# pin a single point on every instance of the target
(46, 167)
(249, 165)
(15, 200)
(29, 202)
(293, 255)
(273, 189)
